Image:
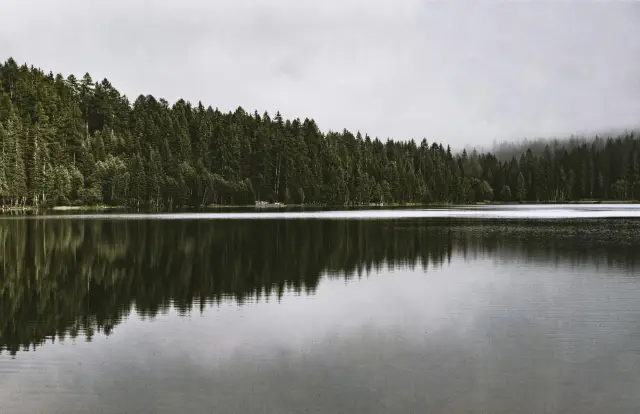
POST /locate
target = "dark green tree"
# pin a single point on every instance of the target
(521, 188)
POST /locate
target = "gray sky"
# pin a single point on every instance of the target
(456, 72)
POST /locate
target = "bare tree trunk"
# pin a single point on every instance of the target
(277, 189)
(204, 198)
(43, 179)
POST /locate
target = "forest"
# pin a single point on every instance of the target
(70, 141)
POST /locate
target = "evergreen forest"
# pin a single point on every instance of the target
(77, 141)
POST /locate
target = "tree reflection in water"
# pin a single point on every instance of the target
(64, 278)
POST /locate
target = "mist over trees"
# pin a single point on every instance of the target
(77, 141)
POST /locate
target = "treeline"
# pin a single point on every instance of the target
(70, 141)
(61, 278)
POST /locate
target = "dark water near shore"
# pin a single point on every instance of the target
(451, 315)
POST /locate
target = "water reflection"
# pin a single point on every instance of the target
(79, 277)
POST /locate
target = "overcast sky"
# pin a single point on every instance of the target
(457, 72)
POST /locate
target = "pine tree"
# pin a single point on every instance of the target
(4, 185)
(14, 164)
(521, 189)
(505, 193)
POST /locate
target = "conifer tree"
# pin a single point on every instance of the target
(521, 188)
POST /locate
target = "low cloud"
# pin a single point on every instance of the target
(457, 72)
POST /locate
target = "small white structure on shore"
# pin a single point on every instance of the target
(264, 204)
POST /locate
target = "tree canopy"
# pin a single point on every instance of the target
(66, 141)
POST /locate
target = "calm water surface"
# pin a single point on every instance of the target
(495, 314)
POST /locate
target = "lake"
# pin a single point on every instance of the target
(513, 309)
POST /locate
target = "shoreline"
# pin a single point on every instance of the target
(104, 208)
(31, 209)
(85, 208)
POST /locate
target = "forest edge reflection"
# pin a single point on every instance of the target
(70, 277)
